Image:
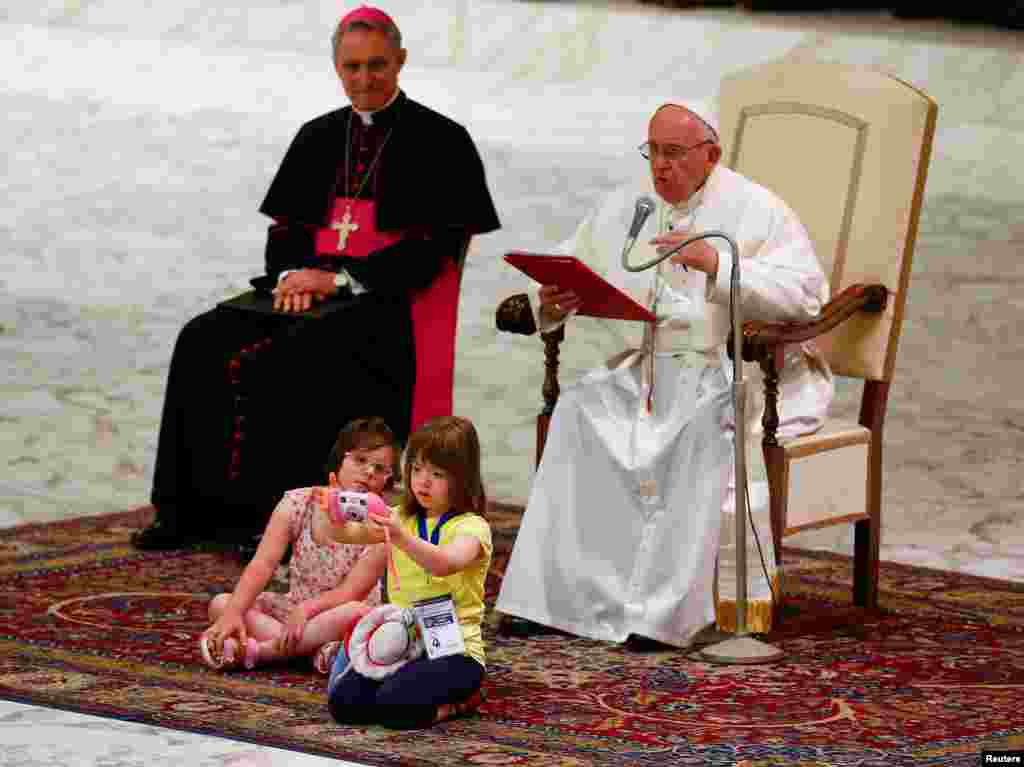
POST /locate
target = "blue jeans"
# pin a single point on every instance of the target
(409, 698)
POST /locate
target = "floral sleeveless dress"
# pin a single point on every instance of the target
(314, 567)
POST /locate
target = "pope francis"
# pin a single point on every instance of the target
(635, 489)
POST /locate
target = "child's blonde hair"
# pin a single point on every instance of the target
(449, 443)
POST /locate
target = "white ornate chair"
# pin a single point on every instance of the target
(848, 149)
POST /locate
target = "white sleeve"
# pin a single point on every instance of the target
(780, 277)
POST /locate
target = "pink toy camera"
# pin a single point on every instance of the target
(344, 506)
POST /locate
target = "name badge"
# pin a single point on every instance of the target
(439, 626)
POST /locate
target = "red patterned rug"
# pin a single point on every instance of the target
(89, 624)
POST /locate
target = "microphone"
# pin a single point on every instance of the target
(644, 208)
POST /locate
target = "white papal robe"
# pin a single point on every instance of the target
(622, 528)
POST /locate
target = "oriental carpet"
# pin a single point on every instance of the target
(88, 623)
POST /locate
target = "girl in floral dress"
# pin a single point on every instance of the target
(250, 625)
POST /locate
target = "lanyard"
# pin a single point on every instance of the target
(435, 536)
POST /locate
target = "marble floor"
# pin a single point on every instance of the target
(32, 736)
(139, 142)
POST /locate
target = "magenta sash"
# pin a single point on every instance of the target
(362, 240)
(434, 310)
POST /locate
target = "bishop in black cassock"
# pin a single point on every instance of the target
(254, 399)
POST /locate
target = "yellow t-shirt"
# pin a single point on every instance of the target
(465, 586)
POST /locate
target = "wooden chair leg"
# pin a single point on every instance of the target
(551, 390)
(867, 538)
(543, 421)
(770, 361)
(778, 494)
(865, 587)
(868, 533)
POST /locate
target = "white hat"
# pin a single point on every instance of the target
(703, 110)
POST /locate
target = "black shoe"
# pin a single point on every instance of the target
(637, 643)
(513, 626)
(161, 536)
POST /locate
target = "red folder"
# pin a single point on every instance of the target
(600, 297)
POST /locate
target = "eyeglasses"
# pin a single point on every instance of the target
(671, 152)
(363, 464)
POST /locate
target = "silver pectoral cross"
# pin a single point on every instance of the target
(344, 227)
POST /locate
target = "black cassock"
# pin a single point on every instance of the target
(254, 401)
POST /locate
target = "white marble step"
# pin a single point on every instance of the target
(34, 735)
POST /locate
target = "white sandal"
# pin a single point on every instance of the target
(218, 661)
(324, 659)
(229, 657)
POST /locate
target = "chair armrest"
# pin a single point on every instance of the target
(764, 342)
(514, 315)
(760, 337)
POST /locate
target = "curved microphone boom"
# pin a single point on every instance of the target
(743, 648)
(644, 208)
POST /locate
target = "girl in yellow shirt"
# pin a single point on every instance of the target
(441, 545)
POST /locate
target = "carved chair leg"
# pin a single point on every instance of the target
(775, 462)
(551, 389)
(543, 421)
(778, 494)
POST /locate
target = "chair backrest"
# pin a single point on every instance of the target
(848, 149)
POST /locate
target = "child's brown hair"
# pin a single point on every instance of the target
(368, 433)
(449, 443)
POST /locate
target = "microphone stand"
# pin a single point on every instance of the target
(742, 648)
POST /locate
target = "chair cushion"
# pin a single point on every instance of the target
(834, 433)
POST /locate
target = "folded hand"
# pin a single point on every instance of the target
(298, 291)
